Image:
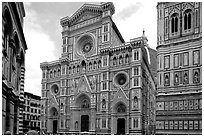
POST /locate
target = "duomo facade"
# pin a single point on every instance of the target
(100, 84)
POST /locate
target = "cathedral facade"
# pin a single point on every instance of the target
(179, 46)
(100, 84)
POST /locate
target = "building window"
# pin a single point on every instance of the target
(114, 61)
(105, 37)
(136, 71)
(136, 81)
(176, 60)
(196, 57)
(103, 123)
(64, 49)
(104, 86)
(135, 123)
(174, 23)
(166, 61)
(136, 55)
(105, 28)
(185, 59)
(167, 79)
(187, 19)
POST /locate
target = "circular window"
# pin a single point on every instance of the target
(85, 44)
(121, 79)
(87, 47)
(55, 89)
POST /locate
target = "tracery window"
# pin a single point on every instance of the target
(174, 23)
(187, 19)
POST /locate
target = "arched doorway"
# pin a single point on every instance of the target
(120, 110)
(84, 123)
(121, 126)
(54, 114)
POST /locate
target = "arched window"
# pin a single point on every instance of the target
(114, 61)
(121, 60)
(174, 23)
(77, 68)
(50, 74)
(187, 19)
(58, 72)
(90, 65)
(95, 65)
(99, 64)
(70, 70)
(126, 58)
(73, 69)
(103, 104)
(54, 73)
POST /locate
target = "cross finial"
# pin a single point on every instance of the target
(143, 32)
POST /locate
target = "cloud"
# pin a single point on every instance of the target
(40, 49)
(127, 11)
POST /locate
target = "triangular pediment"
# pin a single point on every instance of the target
(87, 11)
(83, 85)
(52, 100)
(120, 96)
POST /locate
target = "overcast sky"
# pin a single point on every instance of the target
(42, 31)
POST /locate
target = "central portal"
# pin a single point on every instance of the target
(121, 126)
(54, 125)
(84, 123)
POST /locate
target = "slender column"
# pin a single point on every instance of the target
(21, 98)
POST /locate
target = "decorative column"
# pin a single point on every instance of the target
(21, 98)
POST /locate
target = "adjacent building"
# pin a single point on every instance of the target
(31, 115)
(13, 67)
(100, 84)
(179, 46)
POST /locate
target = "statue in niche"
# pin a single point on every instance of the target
(135, 102)
(185, 78)
(196, 77)
(76, 125)
(104, 104)
(126, 59)
(93, 82)
(121, 60)
(176, 78)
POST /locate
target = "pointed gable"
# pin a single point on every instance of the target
(83, 85)
(120, 96)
